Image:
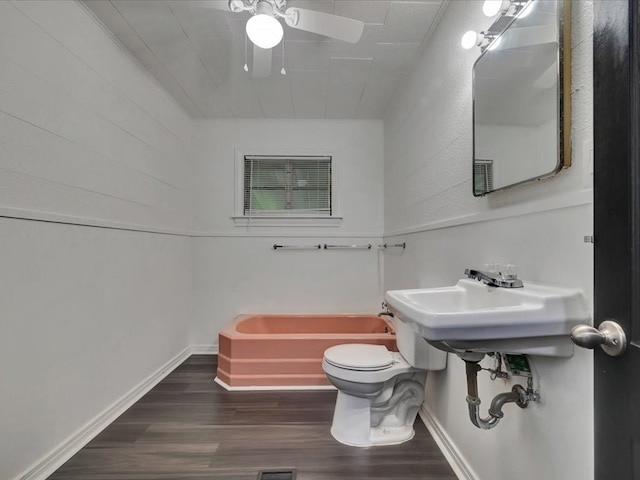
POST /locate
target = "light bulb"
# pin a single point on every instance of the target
(264, 30)
(245, 67)
(469, 40)
(283, 71)
(492, 7)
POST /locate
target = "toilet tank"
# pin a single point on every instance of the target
(415, 349)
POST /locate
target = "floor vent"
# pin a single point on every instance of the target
(277, 475)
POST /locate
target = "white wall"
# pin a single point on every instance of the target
(87, 138)
(540, 227)
(88, 312)
(236, 270)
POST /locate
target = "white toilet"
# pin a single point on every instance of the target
(380, 392)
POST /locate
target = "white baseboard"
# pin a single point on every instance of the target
(73, 444)
(272, 388)
(458, 463)
(204, 349)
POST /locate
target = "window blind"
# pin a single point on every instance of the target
(287, 185)
(482, 176)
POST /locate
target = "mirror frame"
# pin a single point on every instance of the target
(563, 10)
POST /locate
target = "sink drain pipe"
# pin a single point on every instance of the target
(517, 395)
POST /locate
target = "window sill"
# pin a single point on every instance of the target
(287, 221)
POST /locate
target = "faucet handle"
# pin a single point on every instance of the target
(491, 267)
(509, 271)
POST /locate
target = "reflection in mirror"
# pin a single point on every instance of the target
(519, 102)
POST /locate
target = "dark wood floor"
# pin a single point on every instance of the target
(188, 427)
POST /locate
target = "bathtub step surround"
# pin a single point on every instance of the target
(190, 427)
(285, 351)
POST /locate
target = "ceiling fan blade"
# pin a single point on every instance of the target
(210, 4)
(261, 62)
(225, 5)
(334, 26)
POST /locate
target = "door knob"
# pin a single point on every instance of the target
(609, 335)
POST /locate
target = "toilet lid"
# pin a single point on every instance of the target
(357, 356)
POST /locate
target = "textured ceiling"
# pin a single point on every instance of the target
(198, 53)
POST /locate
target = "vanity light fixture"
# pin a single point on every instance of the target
(490, 38)
(521, 8)
(491, 8)
(474, 39)
(470, 39)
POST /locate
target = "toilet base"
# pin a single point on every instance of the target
(352, 424)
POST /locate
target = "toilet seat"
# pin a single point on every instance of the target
(360, 357)
(380, 373)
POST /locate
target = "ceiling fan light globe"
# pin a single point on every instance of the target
(264, 31)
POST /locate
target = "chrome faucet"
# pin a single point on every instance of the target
(494, 279)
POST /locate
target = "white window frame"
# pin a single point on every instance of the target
(289, 220)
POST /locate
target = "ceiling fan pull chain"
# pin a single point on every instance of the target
(245, 67)
(283, 71)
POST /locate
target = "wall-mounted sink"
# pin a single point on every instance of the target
(473, 317)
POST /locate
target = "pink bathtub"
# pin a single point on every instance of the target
(287, 350)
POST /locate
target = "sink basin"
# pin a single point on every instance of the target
(473, 317)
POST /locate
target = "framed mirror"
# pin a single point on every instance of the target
(521, 99)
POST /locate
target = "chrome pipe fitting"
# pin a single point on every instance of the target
(518, 395)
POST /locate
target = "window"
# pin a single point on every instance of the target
(483, 176)
(287, 186)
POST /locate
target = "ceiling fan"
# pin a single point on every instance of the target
(265, 31)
